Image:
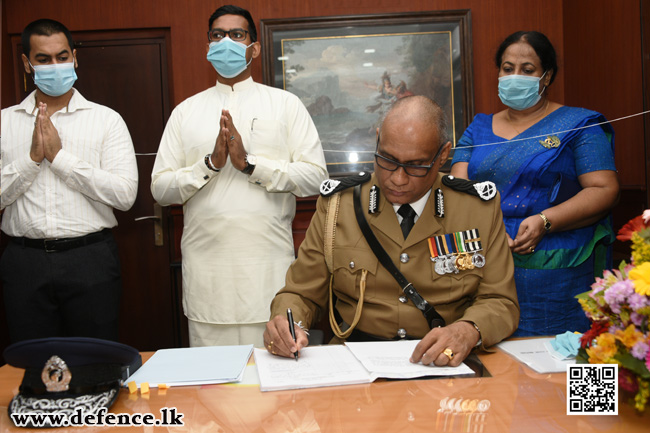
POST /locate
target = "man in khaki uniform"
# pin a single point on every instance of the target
(478, 302)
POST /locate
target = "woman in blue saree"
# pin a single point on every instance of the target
(554, 168)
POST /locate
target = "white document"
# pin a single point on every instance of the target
(390, 359)
(317, 366)
(194, 366)
(533, 353)
(334, 365)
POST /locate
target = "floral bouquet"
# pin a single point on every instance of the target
(619, 308)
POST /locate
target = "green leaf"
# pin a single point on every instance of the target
(633, 364)
(582, 357)
(622, 266)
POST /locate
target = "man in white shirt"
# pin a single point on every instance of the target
(67, 162)
(236, 155)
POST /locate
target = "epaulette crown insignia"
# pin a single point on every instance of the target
(332, 186)
(484, 190)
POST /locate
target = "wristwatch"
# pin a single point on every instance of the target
(547, 223)
(251, 161)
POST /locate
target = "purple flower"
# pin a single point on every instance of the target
(638, 301)
(614, 327)
(640, 350)
(637, 319)
(618, 294)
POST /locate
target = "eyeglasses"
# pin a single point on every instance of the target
(410, 169)
(237, 35)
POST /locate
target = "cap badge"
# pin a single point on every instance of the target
(55, 375)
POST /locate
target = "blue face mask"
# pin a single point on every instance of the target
(228, 57)
(55, 79)
(520, 91)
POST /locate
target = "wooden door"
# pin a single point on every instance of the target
(127, 71)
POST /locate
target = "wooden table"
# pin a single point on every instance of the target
(520, 400)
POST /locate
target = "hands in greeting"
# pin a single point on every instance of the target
(46, 142)
(228, 142)
(457, 340)
(278, 340)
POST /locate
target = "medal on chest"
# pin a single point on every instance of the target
(455, 252)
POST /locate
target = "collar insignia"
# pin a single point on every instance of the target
(440, 204)
(373, 204)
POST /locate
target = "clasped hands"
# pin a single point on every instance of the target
(228, 142)
(46, 142)
(447, 346)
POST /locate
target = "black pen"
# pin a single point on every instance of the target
(291, 329)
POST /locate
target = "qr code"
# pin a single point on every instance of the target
(592, 389)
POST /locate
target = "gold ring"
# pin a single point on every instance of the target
(270, 346)
(532, 250)
(449, 353)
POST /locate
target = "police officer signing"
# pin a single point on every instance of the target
(403, 253)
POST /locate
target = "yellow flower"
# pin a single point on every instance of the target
(640, 276)
(641, 398)
(640, 249)
(604, 350)
(630, 336)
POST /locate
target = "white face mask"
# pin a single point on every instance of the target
(55, 79)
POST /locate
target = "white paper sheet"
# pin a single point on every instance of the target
(318, 366)
(194, 366)
(353, 363)
(390, 359)
(533, 353)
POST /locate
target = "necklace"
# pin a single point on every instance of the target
(512, 123)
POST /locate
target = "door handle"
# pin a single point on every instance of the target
(157, 219)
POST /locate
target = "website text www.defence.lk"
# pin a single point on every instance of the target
(168, 417)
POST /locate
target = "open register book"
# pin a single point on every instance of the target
(352, 363)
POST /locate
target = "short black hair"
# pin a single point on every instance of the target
(540, 43)
(44, 27)
(235, 10)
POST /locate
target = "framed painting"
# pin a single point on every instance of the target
(349, 70)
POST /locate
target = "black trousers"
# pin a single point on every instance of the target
(72, 293)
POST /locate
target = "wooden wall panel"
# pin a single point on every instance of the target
(603, 72)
